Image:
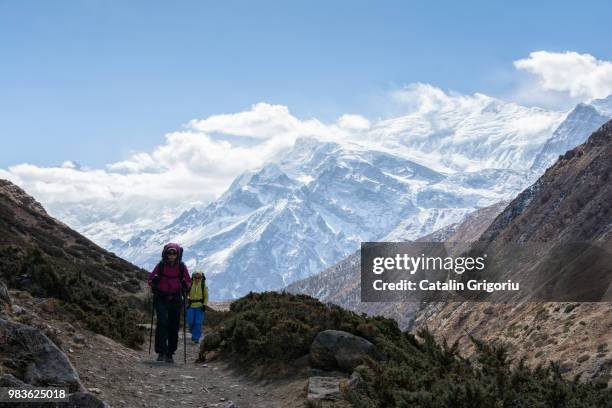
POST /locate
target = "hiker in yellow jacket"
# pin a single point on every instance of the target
(198, 298)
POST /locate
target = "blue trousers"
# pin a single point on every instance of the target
(195, 319)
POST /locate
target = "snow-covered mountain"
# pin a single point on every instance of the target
(467, 134)
(312, 204)
(583, 120)
(299, 214)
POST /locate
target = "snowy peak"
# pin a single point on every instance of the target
(271, 174)
(307, 158)
(583, 120)
(312, 159)
(603, 106)
(469, 134)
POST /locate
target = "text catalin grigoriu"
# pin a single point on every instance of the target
(431, 271)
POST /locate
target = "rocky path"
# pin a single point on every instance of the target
(128, 378)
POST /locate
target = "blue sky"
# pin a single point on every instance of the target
(95, 81)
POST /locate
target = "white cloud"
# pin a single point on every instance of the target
(138, 162)
(354, 122)
(263, 121)
(423, 98)
(201, 148)
(68, 164)
(581, 76)
(419, 96)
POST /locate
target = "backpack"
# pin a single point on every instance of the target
(161, 264)
(204, 292)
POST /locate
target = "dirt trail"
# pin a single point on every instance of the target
(128, 378)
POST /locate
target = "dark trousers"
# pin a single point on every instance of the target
(168, 323)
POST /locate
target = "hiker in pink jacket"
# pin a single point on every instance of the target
(168, 280)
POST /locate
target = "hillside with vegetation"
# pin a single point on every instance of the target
(44, 257)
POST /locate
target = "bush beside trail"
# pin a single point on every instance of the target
(277, 326)
(416, 371)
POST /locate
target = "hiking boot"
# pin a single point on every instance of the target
(160, 357)
(169, 358)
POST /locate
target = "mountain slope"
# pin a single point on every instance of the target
(571, 202)
(41, 255)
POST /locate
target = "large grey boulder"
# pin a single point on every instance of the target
(335, 349)
(38, 362)
(34, 359)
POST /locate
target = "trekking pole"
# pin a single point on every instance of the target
(184, 331)
(151, 327)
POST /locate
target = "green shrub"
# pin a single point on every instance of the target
(428, 374)
(282, 326)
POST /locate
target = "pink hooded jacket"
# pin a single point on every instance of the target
(169, 282)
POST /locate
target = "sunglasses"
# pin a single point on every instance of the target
(171, 252)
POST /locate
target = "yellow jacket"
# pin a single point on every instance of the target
(198, 294)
